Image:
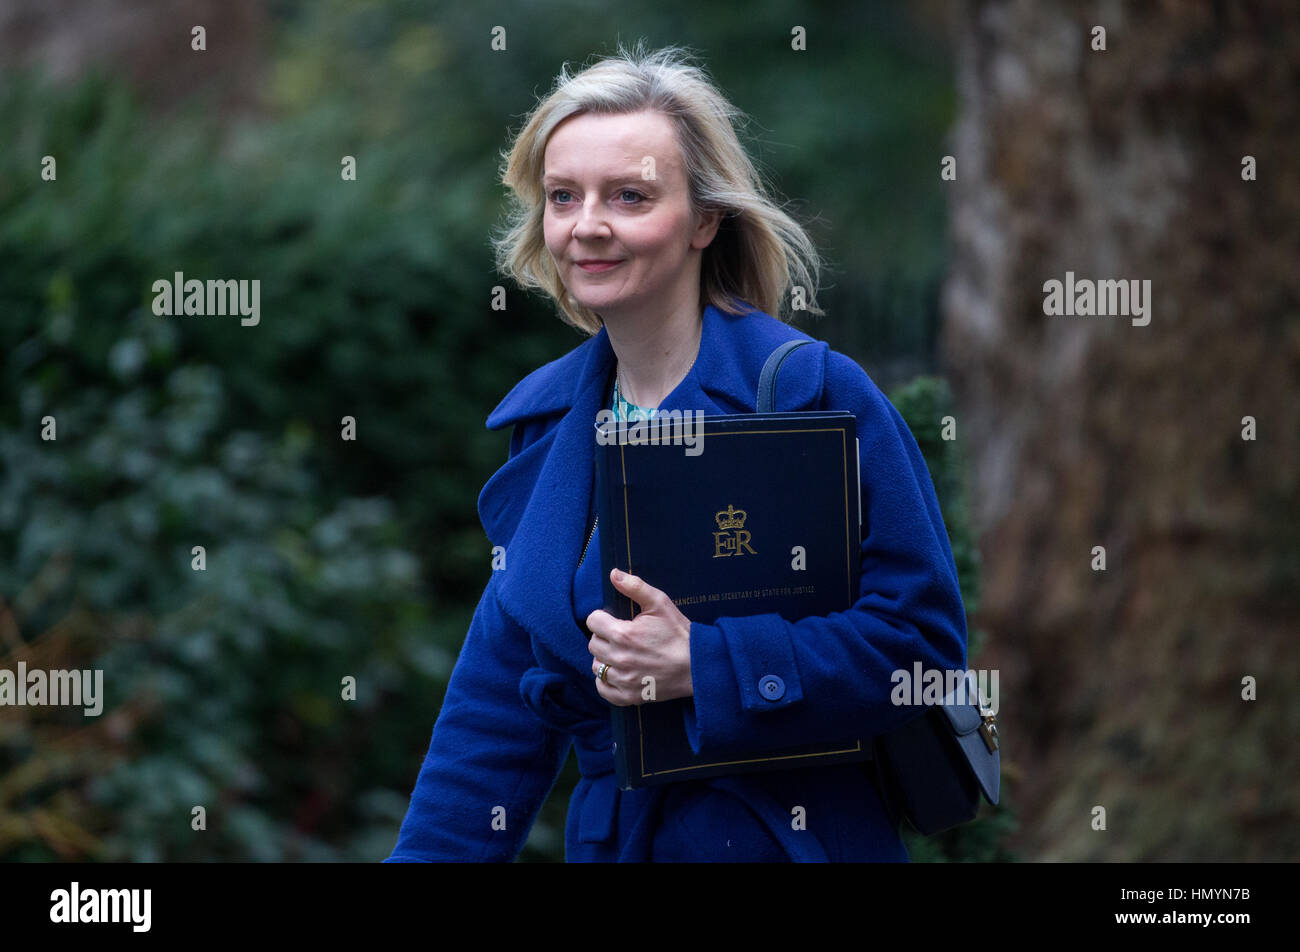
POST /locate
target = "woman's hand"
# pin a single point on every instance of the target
(649, 657)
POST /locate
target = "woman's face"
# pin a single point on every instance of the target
(602, 207)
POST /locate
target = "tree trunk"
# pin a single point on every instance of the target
(1123, 688)
(150, 43)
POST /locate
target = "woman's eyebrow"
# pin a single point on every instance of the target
(624, 177)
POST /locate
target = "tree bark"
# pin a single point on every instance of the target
(1123, 688)
(150, 43)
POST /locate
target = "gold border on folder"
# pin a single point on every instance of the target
(848, 570)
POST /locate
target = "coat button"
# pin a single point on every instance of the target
(771, 687)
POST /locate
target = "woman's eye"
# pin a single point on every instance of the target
(554, 196)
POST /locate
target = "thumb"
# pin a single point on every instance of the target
(633, 586)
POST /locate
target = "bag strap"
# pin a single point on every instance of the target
(767, 379)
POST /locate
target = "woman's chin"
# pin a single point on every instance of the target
(598, 304)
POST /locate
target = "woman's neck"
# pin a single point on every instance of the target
(654, 355)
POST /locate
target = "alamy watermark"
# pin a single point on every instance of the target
(55, 688)
(215, 297)
(665, 428)
(956, 685)
(1087, 298)
(78, 905)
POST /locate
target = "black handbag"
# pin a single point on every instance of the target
(933, 769)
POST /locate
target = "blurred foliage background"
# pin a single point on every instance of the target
(328, 558)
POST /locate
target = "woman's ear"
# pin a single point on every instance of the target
(707, 228)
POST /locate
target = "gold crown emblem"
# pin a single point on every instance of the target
(730, 518)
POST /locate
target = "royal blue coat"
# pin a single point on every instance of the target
(522, 692)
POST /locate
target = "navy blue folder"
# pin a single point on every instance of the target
(718, 530)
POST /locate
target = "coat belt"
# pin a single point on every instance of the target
(559, 704)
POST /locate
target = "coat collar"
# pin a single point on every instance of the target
(536, 505)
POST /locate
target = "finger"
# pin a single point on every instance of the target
(615, 696)
(600, 643)
(615, 655)
(605, 691)
(601, 622)
(598, 623)
(606, 688)
(606, 630)
(637, 589)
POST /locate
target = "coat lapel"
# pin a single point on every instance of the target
(542, 552)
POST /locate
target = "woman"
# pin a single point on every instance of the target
(640, 214)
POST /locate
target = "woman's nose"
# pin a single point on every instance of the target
(590, 221)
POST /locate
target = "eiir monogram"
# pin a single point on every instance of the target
(724, 543)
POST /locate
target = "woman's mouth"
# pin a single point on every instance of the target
(596, 264)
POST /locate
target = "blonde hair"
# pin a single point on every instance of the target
(758, 253)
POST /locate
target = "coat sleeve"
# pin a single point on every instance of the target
(826, 672)
(488, 750)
